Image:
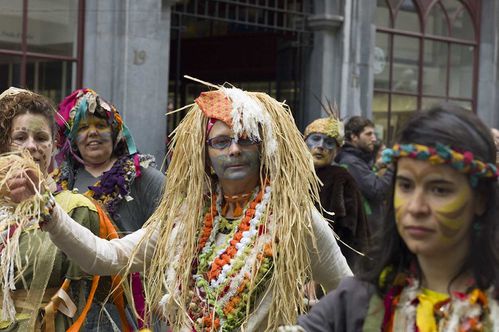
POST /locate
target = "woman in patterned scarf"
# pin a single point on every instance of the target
(98, 157)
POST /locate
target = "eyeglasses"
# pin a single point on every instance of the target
(223, 142)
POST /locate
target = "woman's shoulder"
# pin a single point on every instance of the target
(70, 201)
(343, 309)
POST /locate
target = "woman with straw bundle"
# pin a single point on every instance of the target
(236, 234)
(41, 288)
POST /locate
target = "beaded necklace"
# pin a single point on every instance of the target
(463, 312)
(228, 272)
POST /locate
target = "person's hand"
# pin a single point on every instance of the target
(23, 186)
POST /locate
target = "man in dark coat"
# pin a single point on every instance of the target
(357, 157)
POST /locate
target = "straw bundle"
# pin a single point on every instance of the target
(14, 218)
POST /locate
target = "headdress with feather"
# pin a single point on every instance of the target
(284, 160)
(331, 126)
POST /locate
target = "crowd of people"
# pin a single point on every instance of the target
(254, 227)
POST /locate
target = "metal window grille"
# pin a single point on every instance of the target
(277, 15)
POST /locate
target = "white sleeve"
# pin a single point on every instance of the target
(96, 255)
(329, 266)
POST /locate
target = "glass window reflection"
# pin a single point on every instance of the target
(11, 24)
(405, 64)
(53, 26)
(435, 67)
(407, 17)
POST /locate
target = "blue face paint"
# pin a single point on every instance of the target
(317, 140)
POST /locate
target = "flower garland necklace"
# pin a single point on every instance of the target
(114, 184)
(222, 273)
(462, 312)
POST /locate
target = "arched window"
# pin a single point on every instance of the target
(426, 52)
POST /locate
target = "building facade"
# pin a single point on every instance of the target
(384, 59)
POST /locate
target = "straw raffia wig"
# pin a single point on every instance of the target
(330, 126)
(284, 160)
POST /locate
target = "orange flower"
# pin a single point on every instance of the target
(231, 251)
(267, 249)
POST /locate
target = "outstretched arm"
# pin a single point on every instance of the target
(329, 266)
(96, 255)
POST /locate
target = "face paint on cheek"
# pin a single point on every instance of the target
(105, 136)
(250, 160)
(452, 216)
(217, 164)
(80, 137)
(253, 157)
(399, 202)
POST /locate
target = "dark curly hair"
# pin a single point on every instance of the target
(22, 103)
(355, 126)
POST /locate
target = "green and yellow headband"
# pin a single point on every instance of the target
(463, 162)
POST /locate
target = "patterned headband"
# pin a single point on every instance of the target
(443, 155)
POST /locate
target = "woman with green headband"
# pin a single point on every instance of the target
(436, 265)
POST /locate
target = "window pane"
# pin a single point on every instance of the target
(380, 115)
(464, 104)
(381, 64)
(11, 24)
(53, 79)
(451, 6)
(461, 71)
(435, 68)
(428, 103)
(52, 25)
(436, 23)
(462, 27)
(10, 71)
(403, 107)
(383, 14)
(407, 17)
(394, 3)
(405, 64)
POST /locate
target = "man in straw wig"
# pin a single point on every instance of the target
(236, 234)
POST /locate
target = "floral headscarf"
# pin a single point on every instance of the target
(75, 107)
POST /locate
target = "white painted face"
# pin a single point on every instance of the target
(33, 132)
(322, 147)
